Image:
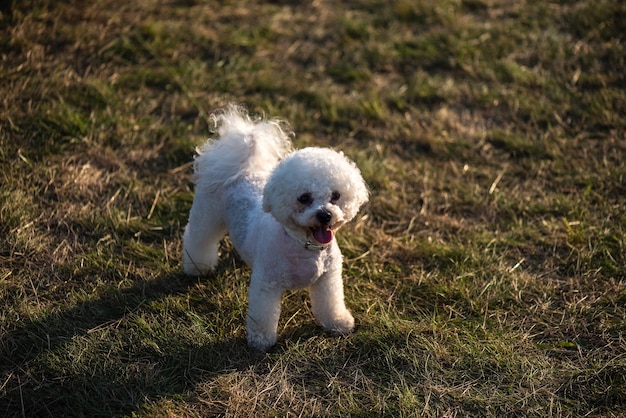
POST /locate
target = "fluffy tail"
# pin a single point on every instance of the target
(243, 146)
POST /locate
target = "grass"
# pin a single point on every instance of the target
(487, 274)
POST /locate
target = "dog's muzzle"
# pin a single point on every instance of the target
(324, 216)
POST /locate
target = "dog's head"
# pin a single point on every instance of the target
(313, 192)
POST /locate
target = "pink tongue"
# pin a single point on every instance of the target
(323, 234)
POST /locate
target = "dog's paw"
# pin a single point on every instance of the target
(193, 269)
(260, 342)
(198, 265)
(341, 325)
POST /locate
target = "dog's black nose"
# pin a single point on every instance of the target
(324, 216)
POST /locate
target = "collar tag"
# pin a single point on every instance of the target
(308, 245)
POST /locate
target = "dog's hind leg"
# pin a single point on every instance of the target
(202, 235)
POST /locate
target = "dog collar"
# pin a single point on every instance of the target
(308, 245)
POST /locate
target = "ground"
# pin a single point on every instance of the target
(486, 275)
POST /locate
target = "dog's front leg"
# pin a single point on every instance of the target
(328, 305)
(263, 314)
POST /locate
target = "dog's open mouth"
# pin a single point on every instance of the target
(322, 234)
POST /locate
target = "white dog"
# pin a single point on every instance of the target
(281, 210)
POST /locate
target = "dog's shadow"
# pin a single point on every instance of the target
(32, 383)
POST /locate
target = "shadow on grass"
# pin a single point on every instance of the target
(37, 377)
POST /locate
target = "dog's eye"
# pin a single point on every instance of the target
(306, 199)
(335, 197)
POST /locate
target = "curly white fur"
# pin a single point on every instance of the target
(281, 210)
